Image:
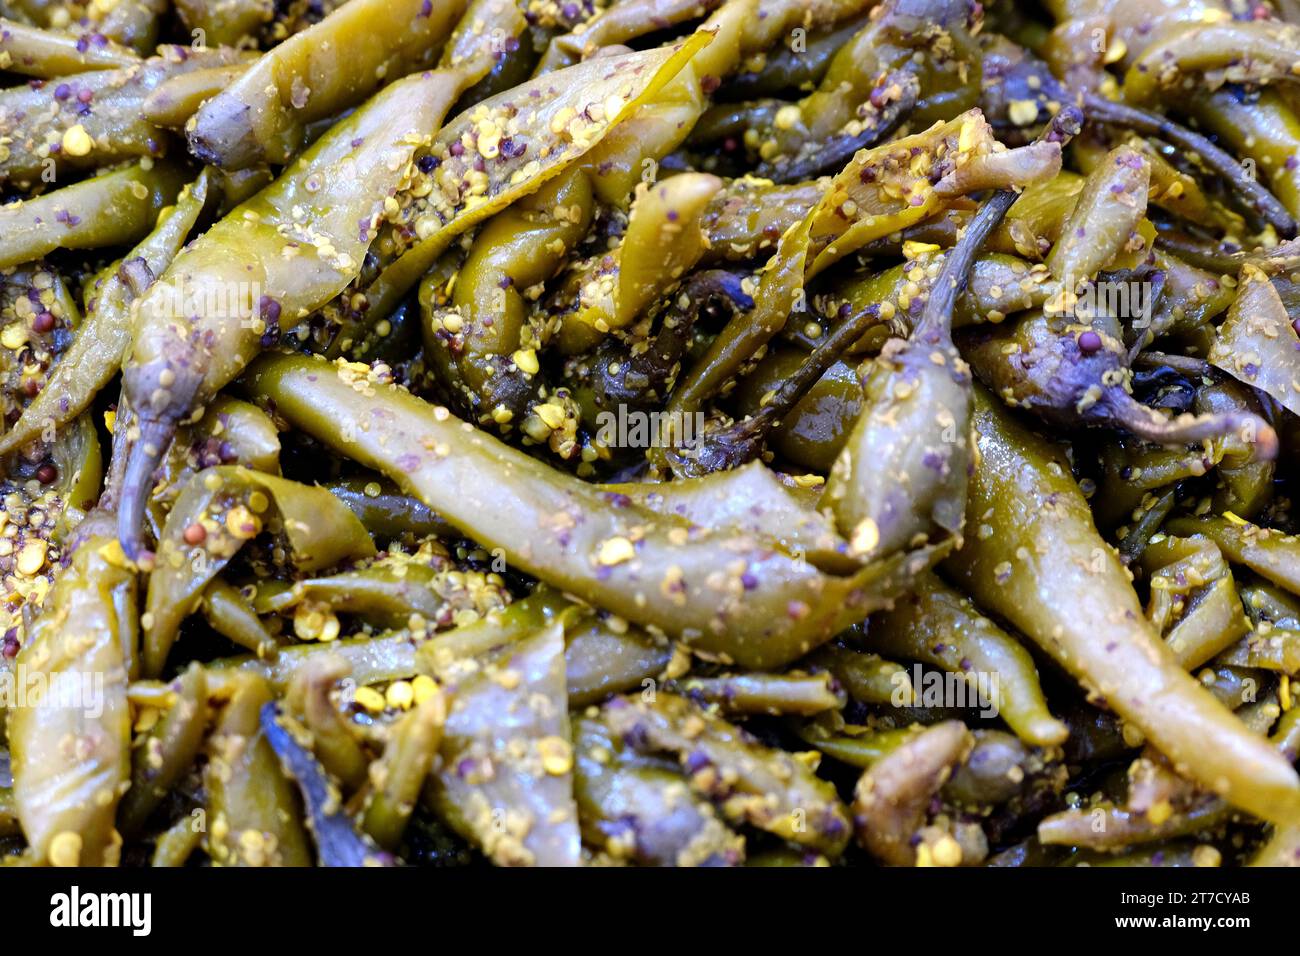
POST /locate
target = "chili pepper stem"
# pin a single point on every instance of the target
(1150, 425)
(144, 456)
(1254, 195)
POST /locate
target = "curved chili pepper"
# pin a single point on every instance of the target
(302, 239)
(1046, 525)
(261, 116)
(96, 352)
(765, 606)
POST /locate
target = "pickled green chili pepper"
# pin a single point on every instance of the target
(1148, 518)
(1261, 128)
(1190, 299)
(548, 128)
(603, 657)
(1240, 51)
(1286, 735)
(634, 372)
(375, 594)
(1070, 368)
(744, 439)
(940, 626)
(892, 798)
(400, 771)
(1025, 78)
(997, 770)
(1256, 344)
(67, 798)
(338, 842)
(775, 694)
(167, 751)
(395, 591)
(868, 678)
(798, 63)
(399, 655)
(903, 472)
(879, 192)
(1258, 201)
(116, 207)
(1031, 571)
(1269, 553)
(252, 814)
(1257, 130)
(222, 509)
(749, 215)
(230, 615)
(1194, 602)
(91, 119)
(78, 463)
(752, 784)
(501, 63)
(370, 660)
(859, 749)
(334, 742)
(478, 342)
(750, 498)
(1112, 828)
(506, 774)
(1170, 809)
(1133, 471)
(260, 117)
(96, 352)
(175, 100)
(639, 811)
(31, 51)
(999, 285)
(1274, 644)
(797, 254)
(301, 240)
(1246, 476)
(224, 22)
(231, 432)
(764, 606)
(176, 844)
(386, 512)
(1108, 210)
(814, 431)
(664, 239)
(616, 25)
(946, 83)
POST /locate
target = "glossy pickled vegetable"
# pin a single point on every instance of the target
(649, 433)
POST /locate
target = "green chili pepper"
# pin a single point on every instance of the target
(49, 53)
(252, 814)
(1031, 572)
(219, 511)
(116, 207)
(96, 352)
(79, 646)
(260, 117)
(764, 605)
(506, 773)
(301, 240)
